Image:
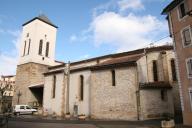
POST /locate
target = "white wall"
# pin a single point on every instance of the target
(53, 104)
(74, 99)
(37, 31)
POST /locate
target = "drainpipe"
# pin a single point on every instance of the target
(146, 64)
(68, 82)
(138, 94)
(63, 92)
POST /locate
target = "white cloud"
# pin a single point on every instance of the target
(84, 57)
(73, 38)
(125, 31)
(130, 4)
(9, 59)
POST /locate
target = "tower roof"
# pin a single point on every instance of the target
(42, 18)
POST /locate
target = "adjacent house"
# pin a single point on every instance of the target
(179, 14)
(7, 85)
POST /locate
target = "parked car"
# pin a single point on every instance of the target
(23, 109)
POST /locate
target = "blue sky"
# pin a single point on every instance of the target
(87, 28)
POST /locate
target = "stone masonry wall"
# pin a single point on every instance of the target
(114, 102)
(152, 105)
(26, 75)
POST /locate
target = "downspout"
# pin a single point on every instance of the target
(68, 82)
(146, 65)
(63, 93)
(138, 94)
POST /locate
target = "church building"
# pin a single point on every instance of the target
(134, 85)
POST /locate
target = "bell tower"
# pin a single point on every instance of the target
(37, 52)
(38, 41)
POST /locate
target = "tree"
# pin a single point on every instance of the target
(3, 88)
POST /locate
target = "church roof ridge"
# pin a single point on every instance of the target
(136, 52)
(42, 18)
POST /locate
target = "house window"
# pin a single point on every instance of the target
(189, 67)
(47, 49)
(155, 73)
(24, 48)
(186, 36)
(164, 95)
(54, 86)
(173, 70)
(40, 47)
(81, 87)
(190, 95)
(29, 46)
(113, 77)
(182, 10)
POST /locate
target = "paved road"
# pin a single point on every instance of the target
(19, 124)
(16, 124)
(38, 122)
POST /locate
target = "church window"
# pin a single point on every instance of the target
(173, 70)
(29, 46)
(81, 87)
(24, 48)
(27, 34)
(155, 73)
(54, 86)
(113, 77)
(47, 49)
(40, 47)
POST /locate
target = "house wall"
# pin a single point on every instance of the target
(114, 102)
(182, 53)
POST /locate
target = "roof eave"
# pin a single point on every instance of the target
(40, 20)
(170, 6)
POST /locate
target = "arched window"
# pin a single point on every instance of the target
(29, 46)
(47, 49)
(155, 73)
(81, 87)
(40, 47)
(113, 77)
(24, 48)
(54, 86)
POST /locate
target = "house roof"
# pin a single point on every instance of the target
(172, 5)
(42, 18)
(155, 85)
(118, 62)
(7, 76)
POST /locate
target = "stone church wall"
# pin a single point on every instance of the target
(114, 102)
(152, 106)
(26, 75)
